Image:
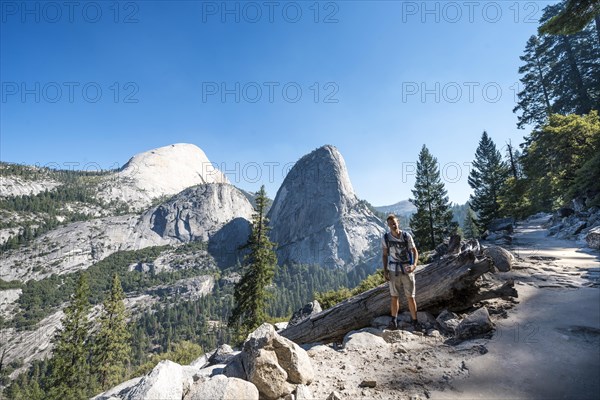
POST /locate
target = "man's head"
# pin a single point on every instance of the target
(392, 222)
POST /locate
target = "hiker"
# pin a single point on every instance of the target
(400, 258)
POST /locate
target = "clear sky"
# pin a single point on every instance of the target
(257, 85)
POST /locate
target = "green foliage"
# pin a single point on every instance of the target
(111, 345)
(487, 178)
(561, 73)
(433, 219)
(70, 372)
(40, 298)
(573, 18)
(4, 285)
(183, 353)
(330, 298)
(470, 230)
(251, 291)
(559, 161)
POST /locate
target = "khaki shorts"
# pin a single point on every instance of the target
(402, 281)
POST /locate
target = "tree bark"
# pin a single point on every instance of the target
(446, 283)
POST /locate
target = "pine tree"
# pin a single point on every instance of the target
(561, 73)
(70, 373)
(487, 178)
(559, 160)
(112, 349)
(433, 219)
(470, 225)
(574, 16)
(250, 292)
(535, 97)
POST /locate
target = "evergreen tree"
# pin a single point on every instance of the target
(433, 219)
(559, 160)
(487, 178)
(112, 349)
(70, 374)
(250, 293)
(561, 73)
(535, 96)
(470, 225)
(574, 16)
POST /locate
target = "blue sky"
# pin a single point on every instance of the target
(257, 85)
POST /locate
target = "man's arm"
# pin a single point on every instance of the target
(385, 265)
(415, 254)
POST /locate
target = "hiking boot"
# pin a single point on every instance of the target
(393, 325)
(418, 327)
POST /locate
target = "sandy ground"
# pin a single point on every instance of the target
(546, 345)
(549, 346)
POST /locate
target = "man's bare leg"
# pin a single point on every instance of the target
(412, 306)
(395, 306)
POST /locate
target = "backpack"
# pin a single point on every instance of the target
(404, 255)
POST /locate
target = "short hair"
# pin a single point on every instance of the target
(391, 216)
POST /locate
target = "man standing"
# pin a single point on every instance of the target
(400, 258)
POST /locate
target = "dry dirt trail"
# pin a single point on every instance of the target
(549, 346)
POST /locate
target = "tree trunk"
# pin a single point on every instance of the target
(446, 283)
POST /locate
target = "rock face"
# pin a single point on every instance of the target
(165, 382)
(217, 213)
(593, 238)
(221, 387)
(160, 172)
(15, 186)
(317, 219)
(271, 362)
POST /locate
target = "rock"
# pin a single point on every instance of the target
(309, 309)
(235, 368)
(565, 212)
(448, 321)
(472, 244)
(578, 204)
(212, 370)
(426, 318)
(369, 384)
(502, 224)
(279, 326)
(164, 382)
(316, 217)
(476, 323)
(554, 229)
(503, 259)
(268, 377)
(200, 362)
(164, 171)
(272, 363)
(381, 322)
(577, 227)
(119, 391)
(593, 238)
(357, 340)
(334, 396)
(294, 360)
(222, 355)
(215, 213)
(222, 388)
(303, 392)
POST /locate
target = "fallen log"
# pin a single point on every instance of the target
(446, 283)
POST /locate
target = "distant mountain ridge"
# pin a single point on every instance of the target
(403, 207)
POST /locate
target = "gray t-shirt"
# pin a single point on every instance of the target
(395, 251)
